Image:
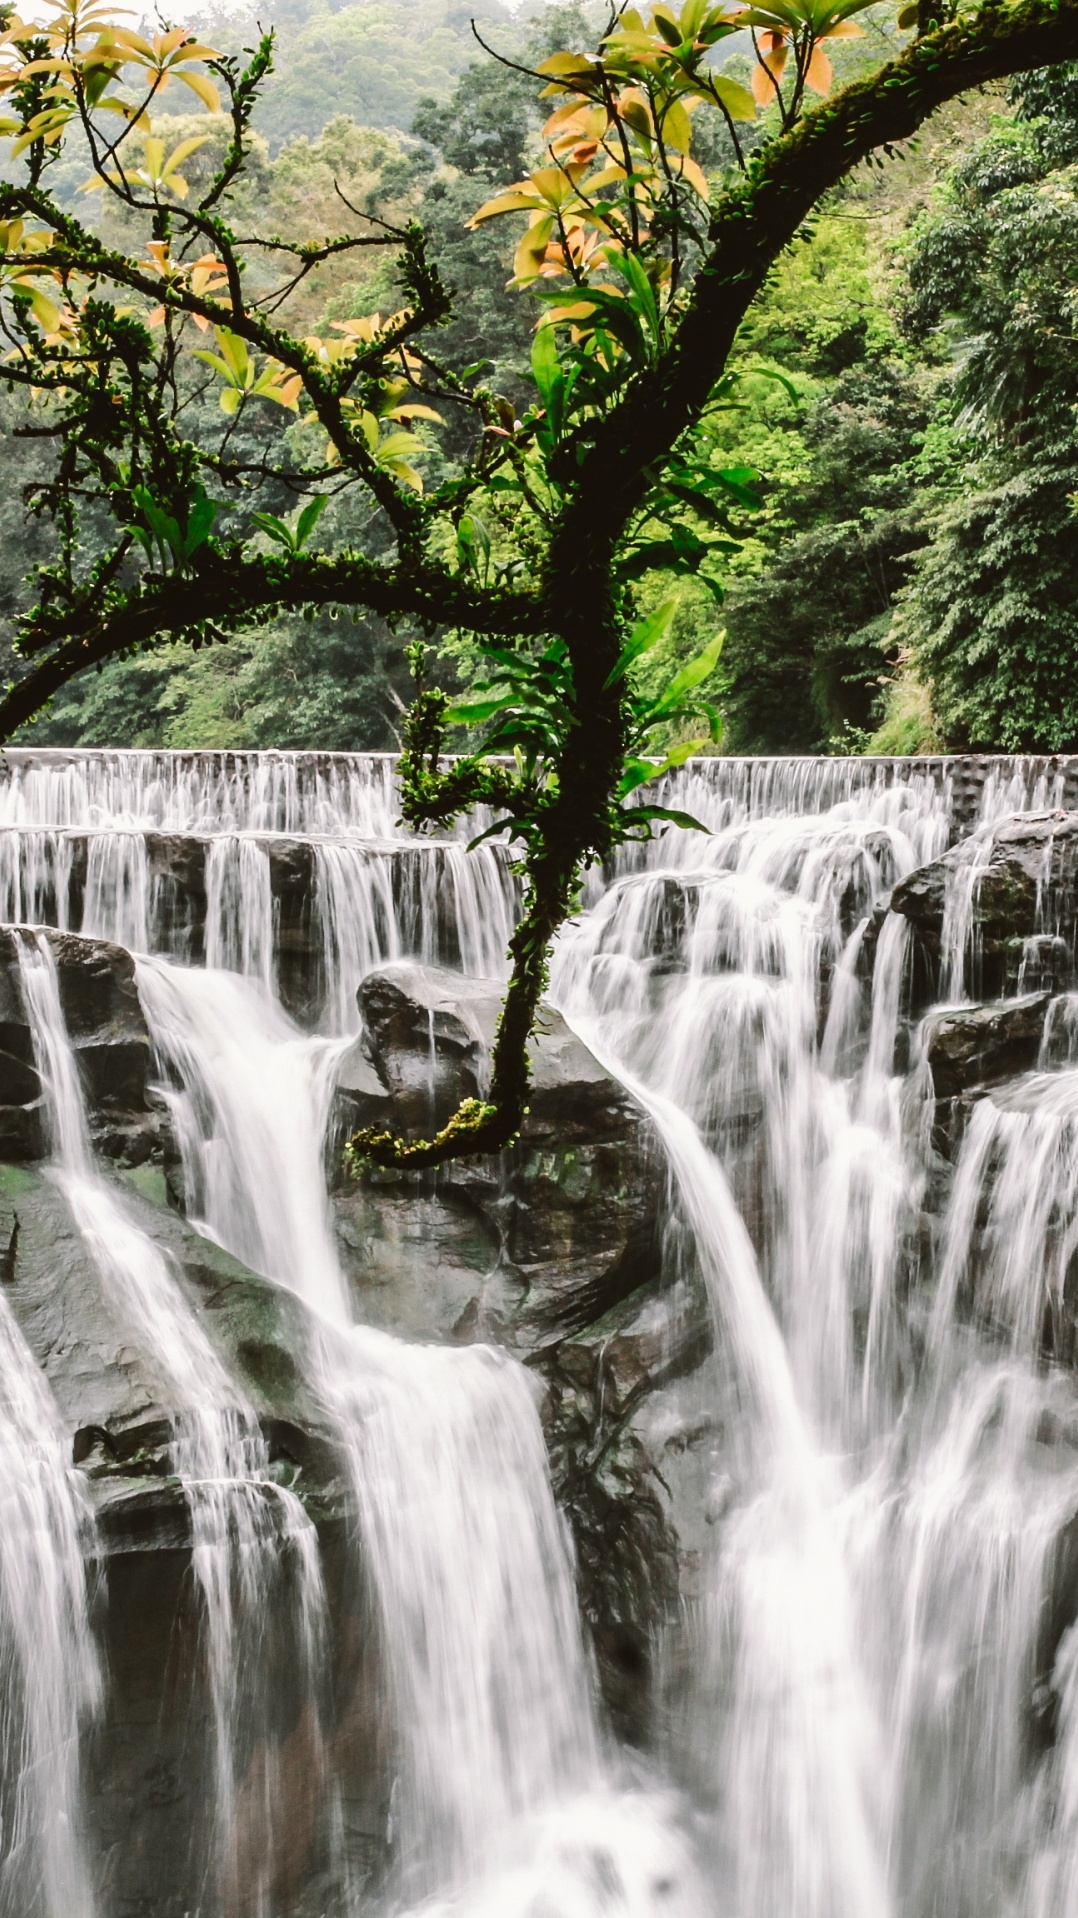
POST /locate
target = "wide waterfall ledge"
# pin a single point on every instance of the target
(676, 1517)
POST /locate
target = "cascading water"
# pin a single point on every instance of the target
(498, 1746)
(49, 1676)
(242, 1523)
(880, 1608)
(882, 1718)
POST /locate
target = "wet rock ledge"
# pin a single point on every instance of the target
(100, 1003)
(1006, 900)
(1016, 886)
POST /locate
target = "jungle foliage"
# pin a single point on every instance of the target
(991, 616)
(212, 455)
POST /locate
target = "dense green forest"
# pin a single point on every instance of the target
(907, 391)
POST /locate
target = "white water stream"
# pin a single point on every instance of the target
(242, 1523)
(881, 1722)
(498, 1748)
(50, 1680)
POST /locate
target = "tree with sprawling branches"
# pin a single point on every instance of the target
(178, 402)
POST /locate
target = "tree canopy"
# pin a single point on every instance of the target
(193, 431)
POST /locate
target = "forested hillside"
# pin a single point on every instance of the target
(906, 394)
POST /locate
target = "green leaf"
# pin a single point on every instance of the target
(642, 638)
(691, 675)
(670, 33)
(309, 518)
(500, 825)
(737, 100)
(165, 529)
(275, 528)
(741, 482)
(473, 544)
(643, 293)
(475, 712)
(701, 502)
(640, 772)
(772, 373)
(669, 815)
(200, 520)
(549, 378)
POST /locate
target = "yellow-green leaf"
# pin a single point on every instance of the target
(738, 101)
(204, 88)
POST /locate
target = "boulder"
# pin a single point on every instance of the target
(554, 1250)
(109, 1388)
(421, 1264)
(1019, 879)
(428, 1033)
(572, 1213)
(105, 1023)
(970, 1046)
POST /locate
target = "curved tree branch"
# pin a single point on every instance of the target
(230, 591)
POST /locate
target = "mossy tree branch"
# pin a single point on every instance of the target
(609, 473)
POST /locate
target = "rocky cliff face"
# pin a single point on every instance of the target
(151, 1755)
(107, 1029)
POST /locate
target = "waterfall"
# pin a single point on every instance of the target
(488, 1678)
(869, 1701)
(242, 1522)
(49, 1677)
(889, 1544)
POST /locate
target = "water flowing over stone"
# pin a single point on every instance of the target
(738, 1573)
(49, 1673)
(242, 1523)
(486, 1669)
(890, 1549)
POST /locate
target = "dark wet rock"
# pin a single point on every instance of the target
(1023, 905)
(177, 880)
(572, 1213)
(611, 1483)
(426, 1033)
(973, 1046)
(421, 1264)
(554, 1250)
(112, 1395)
(150, 1774)
(105, 1023)
(428, 1259)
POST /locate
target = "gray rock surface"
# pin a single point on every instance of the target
(1024, 906)
(612, 1475)
(113, 1397)
(111, 1045)
(572, 1213)
(972, 1046)
(150, 1767)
